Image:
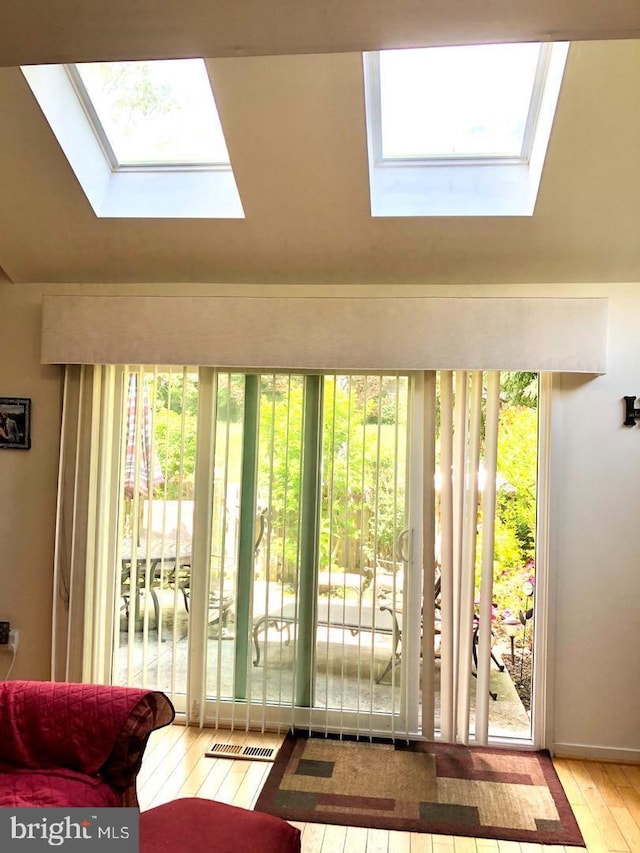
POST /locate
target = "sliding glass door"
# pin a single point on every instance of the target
(274, 598)
(348, 552)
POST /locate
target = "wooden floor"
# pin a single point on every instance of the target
(605, 798)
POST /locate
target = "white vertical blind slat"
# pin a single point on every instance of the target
(201, 547)
(447, 561)
(488, 541)
(467, 576)
(461, 442)
(428, 555)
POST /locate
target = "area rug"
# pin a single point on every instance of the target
(420, 787)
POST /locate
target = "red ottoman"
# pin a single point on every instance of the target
(195, 825)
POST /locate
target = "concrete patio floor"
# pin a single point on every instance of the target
(346, 671)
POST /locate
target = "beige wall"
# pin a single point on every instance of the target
(28, 487)
(594, 673)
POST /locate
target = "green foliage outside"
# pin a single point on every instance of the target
(279, 466)
(362, 495)
(363, 487)
(174, 402)
(363, 477)
(516, 497)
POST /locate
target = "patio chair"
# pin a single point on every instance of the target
(474, 643)
(396, 611)
(142, 589)
(220, 608)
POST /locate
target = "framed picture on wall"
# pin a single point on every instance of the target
(15, 423)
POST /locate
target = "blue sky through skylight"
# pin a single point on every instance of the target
(448, 102)
(160, 112)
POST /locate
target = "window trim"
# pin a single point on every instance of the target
(102, 137)
(372, 61)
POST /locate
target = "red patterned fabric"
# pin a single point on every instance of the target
(57, 724)
(66, 736)
(55, 789)
(195, 825)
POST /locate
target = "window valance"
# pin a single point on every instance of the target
(350, 333)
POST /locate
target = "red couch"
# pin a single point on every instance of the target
(196, 825)
(74, 745)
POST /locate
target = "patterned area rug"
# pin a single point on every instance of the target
(421, 787)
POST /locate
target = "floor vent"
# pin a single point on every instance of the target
(234, 750)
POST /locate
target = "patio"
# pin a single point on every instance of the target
(347, 668)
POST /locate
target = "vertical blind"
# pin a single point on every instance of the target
(280, 549)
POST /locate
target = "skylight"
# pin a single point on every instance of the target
(460, 131)
(150, 113)
(449, 102)
(143, 138)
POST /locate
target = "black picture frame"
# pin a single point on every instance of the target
(15, 423)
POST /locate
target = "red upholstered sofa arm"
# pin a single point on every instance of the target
(93, 729)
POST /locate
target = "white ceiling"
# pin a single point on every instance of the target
(76, 30)
(295, 129)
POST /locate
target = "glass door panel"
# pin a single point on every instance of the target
(303, 575)
(156, 529)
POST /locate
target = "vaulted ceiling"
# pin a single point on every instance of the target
(289, 87)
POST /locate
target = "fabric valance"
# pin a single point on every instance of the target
(315, 333)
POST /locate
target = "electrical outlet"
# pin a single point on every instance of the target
(5, 627)
(14, 640)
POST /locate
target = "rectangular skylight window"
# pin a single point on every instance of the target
(143, 138)
(458, 102)
(460, 131)
(156, 113)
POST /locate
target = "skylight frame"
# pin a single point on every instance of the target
(462, 187)
(148, 193)
(374, 110)
(94, 121)
(102, 137)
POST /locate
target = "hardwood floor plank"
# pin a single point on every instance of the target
(604, 783)
(356, 839)
(334, 839)
(443, 844)
(173, 784)
(615, 772)
(377, 841)
(399, 842)
(252, 783)
(605, 798)
(464, 845)
(421, 842)
(165, 782)
(231, 783)
(580, 773)
(632, 774)
(631, 799)
(606, 824)
(509, 846)
(219, 770)
(571, 787)
(312, 837)
(165, 740)
(197, 776)
(628, 827)
(589, 829)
